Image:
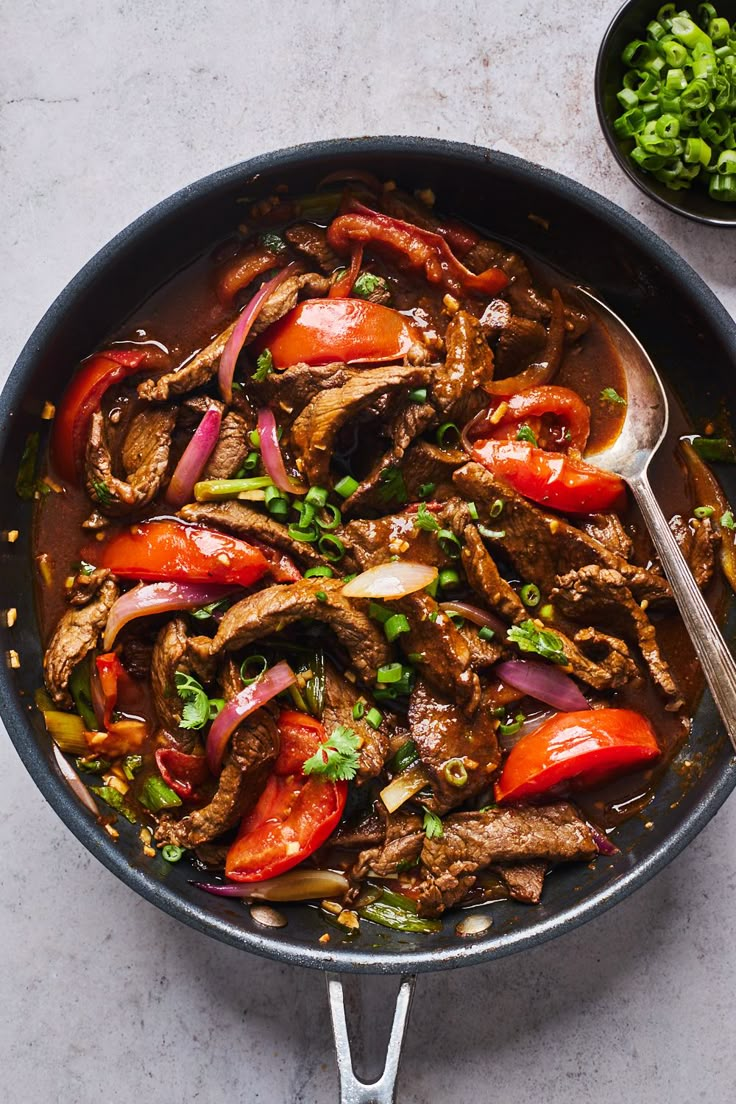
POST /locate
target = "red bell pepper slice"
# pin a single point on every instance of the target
(420, 249)
(355, 331)
(551, 479)
(577, 749)
(182, 772)
(560, 403)
(109, 672)
(81, 398)
(295, 813)
(170, 551)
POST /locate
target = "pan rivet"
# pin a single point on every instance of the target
(268, 917)
(475, 924)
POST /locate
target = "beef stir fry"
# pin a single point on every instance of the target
(334, 602)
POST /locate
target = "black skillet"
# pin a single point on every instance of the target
(690, 337)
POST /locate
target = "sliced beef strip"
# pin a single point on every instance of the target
(315, 431)
(411, 420)
(252, 753)
(520, 343)
(288, 392)
(457, 384)
(426, 464)
(523, 882)
(608, 530)
(600, 596)
(145, 458)
(367, 831)
(698, 540)
(231, 449)
(483, 653)
(340, 697)
(243, 520)
(285, 297)
(271, 610)
(85, 586)
(374, 541)
(473, 841)
(169, 655)
(442, 733)
(542, 546)
(608, 652)
(445, 658)
(399, 849)
(607, 669)
(311, 240)
(74, 637)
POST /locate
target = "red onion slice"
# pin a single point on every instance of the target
(603, 843)
(75, 782)
(242, 705)
(273, 461)
(296, 885)
(143, 601)
(193, 459)
(390, 580)
(545, 683)
(477, 616)
(237, 338)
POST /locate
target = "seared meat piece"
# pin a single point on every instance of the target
(285, 297)
(425, 464)
(145, 457)
(520, 343)
(600, 596)
(193, 373)
(288, 392)
(374, 541)
(698, 541)
(368, 831)
(472, 841)
(315, 430)
(85, 587)
(603, 668)
(542, 546)
(608, 531)
(271, 610)
(483, 653)
(457, 384)
(523, 882)
(231, 449)
(311, 240)
(242, 520)
(442, 734)
(253, 751)
(74, 637)
(137, 656)
(399, 850)
(169, 653)
(445, 657)
(340, 697)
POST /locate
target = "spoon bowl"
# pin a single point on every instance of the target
(629, 455)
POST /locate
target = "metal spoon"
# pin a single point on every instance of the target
(643, 431)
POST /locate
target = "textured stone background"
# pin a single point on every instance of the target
(105, 109)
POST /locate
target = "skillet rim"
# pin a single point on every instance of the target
(14, 713)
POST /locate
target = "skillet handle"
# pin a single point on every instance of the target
(352, 1089)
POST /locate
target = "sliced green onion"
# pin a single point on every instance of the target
(116, 801)
(333, 520)
(702, 512)
(374, 718)
(714, 449)
(251, 462)
(406, 756)
(389, 673)
(496, 507)
(316, 496)
(512, 727)
(473, 511)
(445, 431)
(530, 595)
(209, 490)
(307, 536)
(449, 543)
(171, 853)
(331, 547)
(131, 765)
(418, 395)
(252, 668)
(426, 490)
(359, 709)
(455, 773)
(485, 633)
(395, 626)
(320, 572)
(448, 577)
(491, 534)
(156, 795)
(346, 486)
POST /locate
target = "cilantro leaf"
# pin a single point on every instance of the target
(541, 642)
(525, 433)
(424, 519)
(432, 825)
(727, 520)
(366, 284)
(264, 367)
(611, 395)
(392, 486)
(103, 494)
(337, 759)
(273, 242)
(198, 708)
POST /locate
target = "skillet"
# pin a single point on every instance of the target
(690, 337)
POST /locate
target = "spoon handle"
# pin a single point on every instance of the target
(715, 658)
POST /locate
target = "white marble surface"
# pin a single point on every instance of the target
(105, 109)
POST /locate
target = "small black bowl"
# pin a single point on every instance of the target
(630, 22)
